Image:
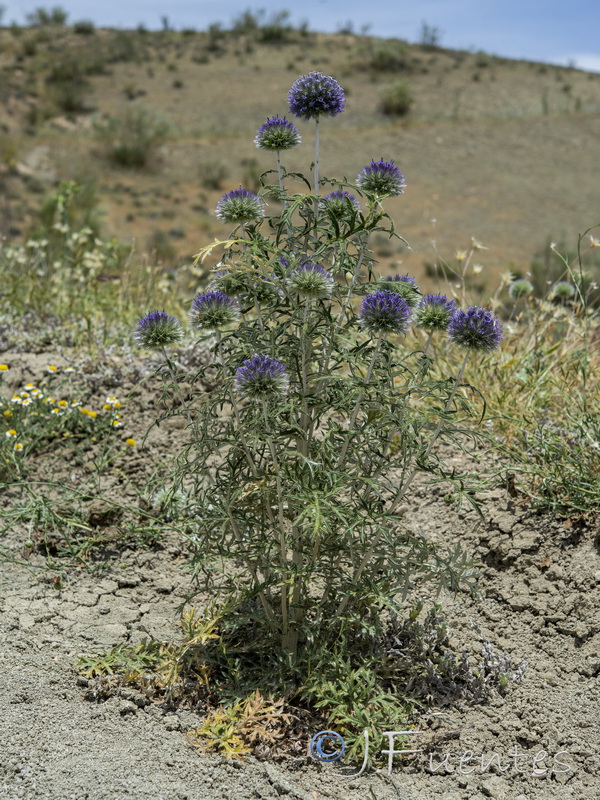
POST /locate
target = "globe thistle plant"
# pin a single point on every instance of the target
(434, 312)
(240, 206)
(381, 179)
(519, 289)
(384, 312)
(157, 330)
(311, 280)
(213, 311)
(261, 377)
(339, 204)
(315, 95)
(404, 286)
(297, 457)
(277, 133)
(476, 329)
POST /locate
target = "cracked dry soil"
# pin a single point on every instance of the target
(539, 601)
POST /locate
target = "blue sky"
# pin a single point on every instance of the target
(558, 31)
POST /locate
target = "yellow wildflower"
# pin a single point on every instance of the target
(52, 368)
(11, 432)
(18, 446)
(130, 442)
(3, 367)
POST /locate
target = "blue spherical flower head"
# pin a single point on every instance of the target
(315, 95)
(520, 288)
(340, 205)
(434, 312)
(311, 280)
(239, 206)
(404, 286)
(277, 133)
(212, 311)
(381, 179)
(261, 377)
(384, 312)
(477, 328)
(158, 329)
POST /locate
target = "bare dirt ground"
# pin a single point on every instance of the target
(539, 601)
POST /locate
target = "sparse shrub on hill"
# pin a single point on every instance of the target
(45, 16)
(84, 28)
(387, 55)
(275, 29)
(212, 174)
(430, 37)
(132, 136)
(68, 86)
(396, 99)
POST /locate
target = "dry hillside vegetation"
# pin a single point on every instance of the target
(492, 148)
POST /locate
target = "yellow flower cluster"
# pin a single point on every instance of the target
(33, 402)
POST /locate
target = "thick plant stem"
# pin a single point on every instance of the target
(285, 632)
(403, 489)
(279, 178)
(316, 176)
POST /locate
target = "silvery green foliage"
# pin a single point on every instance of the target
(318, 418)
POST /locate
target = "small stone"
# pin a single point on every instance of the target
(525, 539)
(494, 787)
(520, 602)
(172, 722)
(557, 573)
(128, 580)
(127, 707)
